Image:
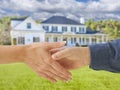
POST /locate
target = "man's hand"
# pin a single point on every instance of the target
(38, 57)
(72, 57)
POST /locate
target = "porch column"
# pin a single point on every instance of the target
(106, 38)
(85, 40)
(49, 38)
(97, 39)
(81, 40)
(77, 39)
(61, 38)
(103, 39)
(52, 38)
(90, 40)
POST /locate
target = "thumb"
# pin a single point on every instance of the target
(61, 54)
(55, 45)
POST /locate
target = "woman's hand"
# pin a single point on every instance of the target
(38, 57)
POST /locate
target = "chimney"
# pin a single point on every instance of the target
(82, 20)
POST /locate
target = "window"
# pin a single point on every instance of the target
(55, 39)
(21, 40)
(94, 40)
(83, 40)
(36, 39)
(73, 29)
(80, 40)
(47, 39)
(14, 41)
(87, 40)
(28, 25)
(46, 28)
(64, 29)
(72, 40)
(79, 29)
(83, 30)
(75, 40)
(54, 28)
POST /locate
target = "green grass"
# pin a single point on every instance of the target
(20, 77)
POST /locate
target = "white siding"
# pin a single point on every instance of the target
(23, 25)
(14, 23)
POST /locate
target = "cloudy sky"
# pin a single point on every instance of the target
(39, 9)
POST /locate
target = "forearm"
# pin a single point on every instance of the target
(11, 54)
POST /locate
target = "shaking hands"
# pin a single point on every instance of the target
(53, 61)
(50, 60)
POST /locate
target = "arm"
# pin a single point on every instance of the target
(11, 54)
(36, 56)
(99, 57)
(106, 56)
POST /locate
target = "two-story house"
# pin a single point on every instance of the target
(54, 29)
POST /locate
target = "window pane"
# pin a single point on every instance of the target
(21, 40)
(54, 28)
(64, 29)
(73, 29)
(47, 39)
(46, 28)
(79, 29)
(28, 25)
(36, 39)
(55, 39)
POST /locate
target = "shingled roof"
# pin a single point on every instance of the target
(19, 19)
(60, 20)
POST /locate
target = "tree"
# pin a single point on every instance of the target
(5, 30)
(93, 26)
(116, 33)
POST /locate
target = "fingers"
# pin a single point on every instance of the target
(47, 76)
(56, 68)
(43, 73)
(61, 54)
(49, 45)
(55, 75)
(52, 51)
(55, 45)
(59, 70)
(50, 73)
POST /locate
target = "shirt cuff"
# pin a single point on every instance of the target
(100, 55)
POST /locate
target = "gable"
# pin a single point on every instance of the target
(24, 25)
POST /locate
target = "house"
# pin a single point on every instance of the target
(26, 31)
(54, 29)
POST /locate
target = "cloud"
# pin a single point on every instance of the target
(69, 8)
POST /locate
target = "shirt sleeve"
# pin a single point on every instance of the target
(106, 56)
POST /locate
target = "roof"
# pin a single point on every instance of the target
(19, 19)
(60, 20)
(90, 31)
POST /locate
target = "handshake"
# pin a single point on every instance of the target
(50, 60)
(53, 61)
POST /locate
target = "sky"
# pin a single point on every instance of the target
(74, 9)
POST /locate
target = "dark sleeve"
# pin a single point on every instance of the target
(106, 56)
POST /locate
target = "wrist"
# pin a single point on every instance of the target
(20, 53)
(87, 56)
(11, 54)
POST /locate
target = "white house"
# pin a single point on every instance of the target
(26, 31)
(54, 29)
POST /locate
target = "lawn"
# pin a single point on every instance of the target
(20, 77)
